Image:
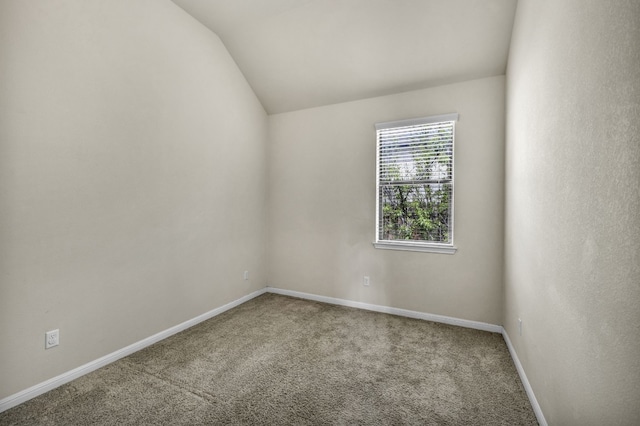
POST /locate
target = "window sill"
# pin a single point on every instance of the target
(424, 247)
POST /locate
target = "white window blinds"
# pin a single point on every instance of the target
(415, 180)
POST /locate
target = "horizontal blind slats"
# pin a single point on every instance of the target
(416, 129)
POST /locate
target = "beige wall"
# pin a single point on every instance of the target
(572, 268)
(322, 205)
(132, 170)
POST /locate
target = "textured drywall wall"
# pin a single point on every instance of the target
(322, 168)
(572, 268)
(132, 170)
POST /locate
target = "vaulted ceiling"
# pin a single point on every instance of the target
(299, 54)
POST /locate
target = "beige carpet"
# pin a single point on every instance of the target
(280, 360)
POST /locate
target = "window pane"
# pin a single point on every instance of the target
(420, 212)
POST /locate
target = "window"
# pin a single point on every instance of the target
(415, 184)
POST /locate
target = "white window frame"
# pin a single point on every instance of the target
(412, 245)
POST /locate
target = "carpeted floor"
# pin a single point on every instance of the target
(280, 360)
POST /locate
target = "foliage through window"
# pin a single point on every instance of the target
(415, 181)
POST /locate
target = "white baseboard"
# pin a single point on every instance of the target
(525, 382)
(394, 311)
(39, 389)
(32, 392)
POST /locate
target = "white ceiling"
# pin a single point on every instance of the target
(299, 54)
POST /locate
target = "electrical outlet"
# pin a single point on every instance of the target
(52, 338)
(366, 282)
(519, 327)
(246, 275)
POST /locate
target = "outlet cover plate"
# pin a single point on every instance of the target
(52, 338)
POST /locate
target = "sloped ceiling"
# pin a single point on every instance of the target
(299, 54)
